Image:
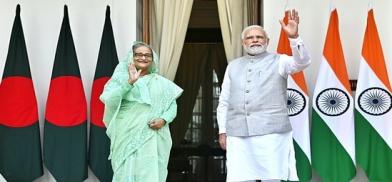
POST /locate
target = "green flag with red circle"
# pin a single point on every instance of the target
(65, 131)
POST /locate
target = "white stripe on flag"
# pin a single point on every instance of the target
(382, 123)
(300, 122)
(342, 126)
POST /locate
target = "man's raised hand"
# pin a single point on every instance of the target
(291, 29)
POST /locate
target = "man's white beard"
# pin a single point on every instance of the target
(255, 49)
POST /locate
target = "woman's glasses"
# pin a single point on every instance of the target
(140, 55)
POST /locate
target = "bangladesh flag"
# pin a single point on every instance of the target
(65, 137)
(373, 114)
(332, 134)
(20, 146)
(298, 107)
(99, 141)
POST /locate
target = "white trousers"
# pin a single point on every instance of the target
(273, 180)
(266, 157)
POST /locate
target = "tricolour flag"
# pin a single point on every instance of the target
(65, 132)
(373, 114)
(298, 106)
(20, 146)
(99, 142)
(332, 134)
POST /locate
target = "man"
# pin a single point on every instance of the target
(252, 113)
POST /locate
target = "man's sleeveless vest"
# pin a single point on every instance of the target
(258, 98)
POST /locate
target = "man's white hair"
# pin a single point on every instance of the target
(251, 27)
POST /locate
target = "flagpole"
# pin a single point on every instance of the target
(286, 5)
(110, 2)
(370, 4)
(331, 6)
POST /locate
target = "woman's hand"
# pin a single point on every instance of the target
(157, 124)
(133, 74)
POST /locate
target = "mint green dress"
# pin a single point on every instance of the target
(137, 152)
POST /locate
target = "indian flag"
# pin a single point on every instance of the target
(373, 114)
(332, 134)
(298, 106)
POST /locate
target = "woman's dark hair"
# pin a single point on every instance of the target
(141, 44)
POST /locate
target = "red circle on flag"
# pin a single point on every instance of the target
(97, 107)
(66, 104)
(18, 106)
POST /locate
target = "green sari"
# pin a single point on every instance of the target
(137, 152)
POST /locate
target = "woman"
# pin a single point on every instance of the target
(139, 105)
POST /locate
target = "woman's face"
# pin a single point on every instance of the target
(142, 58)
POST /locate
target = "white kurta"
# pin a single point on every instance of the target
(266, 157)
(287, 65)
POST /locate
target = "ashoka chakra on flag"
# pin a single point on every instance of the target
(332, 102)
(295, 102)
(375, 101)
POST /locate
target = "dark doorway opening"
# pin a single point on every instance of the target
(197, 156)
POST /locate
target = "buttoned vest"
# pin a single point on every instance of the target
(258, 98)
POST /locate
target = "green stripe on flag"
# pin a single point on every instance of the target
(65, 153)
(330, 160)
(20, 154)
(99, 152)
(304, 170)
(373, 153)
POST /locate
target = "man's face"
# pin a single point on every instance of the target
(142, 58)
(254, 37)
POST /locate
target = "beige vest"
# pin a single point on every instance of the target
(258, 98)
